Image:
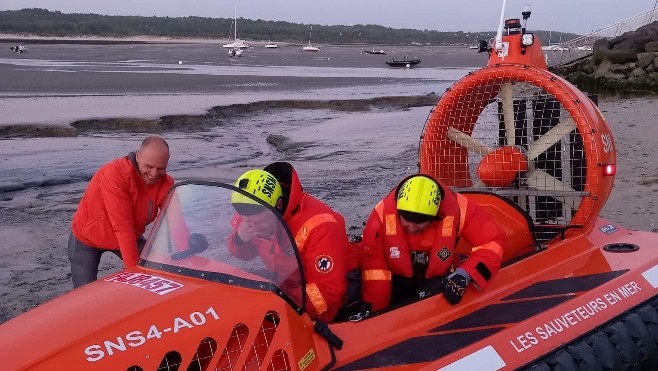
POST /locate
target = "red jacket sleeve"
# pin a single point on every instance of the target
(118, 203)
(324, 262)
(375, 273)
(244, 251)
(487, 239)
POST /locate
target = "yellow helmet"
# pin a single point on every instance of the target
(261, 184)
(419, 194)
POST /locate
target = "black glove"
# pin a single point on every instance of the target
(455, 286)
(195, 244)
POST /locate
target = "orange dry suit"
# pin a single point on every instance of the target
(321, 239)
(117, 206)
(387, 250)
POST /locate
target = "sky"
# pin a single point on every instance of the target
(576, 16)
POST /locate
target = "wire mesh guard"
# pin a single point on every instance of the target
(511, 137)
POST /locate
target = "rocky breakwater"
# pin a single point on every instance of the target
(626, 65)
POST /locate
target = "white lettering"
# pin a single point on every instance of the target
(179, 322)
(624, 292)
(118, 346)
(612, 298)
(212, 312)
(583, 313)
(94, 352)
(197, 318)
(542, 334)
(148, 282)
(135, 339)
(154, 333)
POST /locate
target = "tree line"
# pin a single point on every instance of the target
(43, 22)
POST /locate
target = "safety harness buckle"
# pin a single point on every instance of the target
(418, 257)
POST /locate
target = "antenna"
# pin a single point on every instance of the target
(499, 35)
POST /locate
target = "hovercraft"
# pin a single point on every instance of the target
(576, 291)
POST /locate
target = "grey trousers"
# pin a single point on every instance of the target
(85, 260)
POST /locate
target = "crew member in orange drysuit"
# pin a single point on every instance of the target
(318, 230)
(409, 241)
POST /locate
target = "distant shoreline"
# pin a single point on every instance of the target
(83, 39)
(145, 39)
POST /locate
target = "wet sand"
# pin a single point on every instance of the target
(348, 158)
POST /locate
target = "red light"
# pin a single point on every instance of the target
(609, 169)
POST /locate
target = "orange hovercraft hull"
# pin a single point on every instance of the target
(575, 291)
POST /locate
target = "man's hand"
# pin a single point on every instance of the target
(246, 231)
(455, 286)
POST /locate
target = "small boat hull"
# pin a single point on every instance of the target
(403, 63)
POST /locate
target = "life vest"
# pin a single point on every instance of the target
(438, 240)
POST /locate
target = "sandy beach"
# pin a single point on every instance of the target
(349, 151)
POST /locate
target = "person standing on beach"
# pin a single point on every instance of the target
(409, 243)
(122, 198)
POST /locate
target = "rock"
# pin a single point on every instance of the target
(622, 68)
(637, 72)
(621, 56)
(626, 65)
(632, 41)
(601, 46)
(651, 46)
(603, 68)
(645, 59)
(614, 76)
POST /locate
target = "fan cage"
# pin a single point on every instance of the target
(536, 115)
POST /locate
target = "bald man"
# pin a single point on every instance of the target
(122, 198)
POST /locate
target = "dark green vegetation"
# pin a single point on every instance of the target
(46, 23)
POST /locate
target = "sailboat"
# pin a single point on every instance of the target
(236, 44)
(269, 42)
(309, 47)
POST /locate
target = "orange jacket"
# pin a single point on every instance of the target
(386, 247)
(321, 239)
(117, 206)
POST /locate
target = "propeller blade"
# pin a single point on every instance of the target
(508, 112)
(541, 180)
(471, 144)
(551, 137)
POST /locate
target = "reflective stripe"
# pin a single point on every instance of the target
(448, 223)
(651, 275)
(317, 300)
(493, 246)
(391, 224)
(485, 359)
(377, 275)
(307, 228)
(379, 209)
(462, 201)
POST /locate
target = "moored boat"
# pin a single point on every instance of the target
(373, 51)
(404, 62)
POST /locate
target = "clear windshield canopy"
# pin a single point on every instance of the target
(197, 235)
